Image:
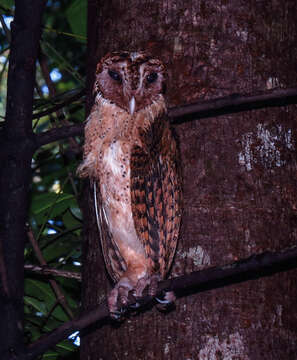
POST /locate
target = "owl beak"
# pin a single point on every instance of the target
(132, 105)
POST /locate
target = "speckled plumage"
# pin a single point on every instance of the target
(131, 157)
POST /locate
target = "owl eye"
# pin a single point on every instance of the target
(114, 75)
(152, 77)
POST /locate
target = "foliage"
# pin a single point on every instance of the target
(54, 222)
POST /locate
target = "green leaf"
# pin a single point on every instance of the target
(7, 3)
(66, 345)
(70, 221)
(41, 297)
(58, 58)
(36, 304)
(43, 202)
(60, 249)
(39, 290)
(50, 205)
(77, 17)
(76, 212)
(50, 355)
(60, 314)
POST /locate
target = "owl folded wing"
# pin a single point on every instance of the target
(155, 197)
(114, 262)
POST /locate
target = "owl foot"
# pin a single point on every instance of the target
(119, 297)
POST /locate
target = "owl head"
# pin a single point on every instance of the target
(130, 80)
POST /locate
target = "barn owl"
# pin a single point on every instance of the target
(130, 155)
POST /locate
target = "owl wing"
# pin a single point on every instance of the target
(114, 262)
(156, 200)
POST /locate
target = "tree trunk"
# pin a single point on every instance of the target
(239, 176)
(17, 145)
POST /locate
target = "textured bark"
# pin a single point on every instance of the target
(239, 177)
(17, 144)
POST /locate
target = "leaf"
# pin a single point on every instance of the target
(50, 355)
(60, 314)
(41, 297)
(66, 345)
(43, 202)
(70, 221)
(76, 212)
(7, 3)
(50, 205)
(36, 304)
(62, 62)
(77, 17)
(39, 290)
(61, 248)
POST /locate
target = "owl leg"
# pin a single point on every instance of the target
(119, 294)
(141, 285)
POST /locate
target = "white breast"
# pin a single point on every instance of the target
(116, 197)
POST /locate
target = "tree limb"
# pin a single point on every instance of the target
(208, 108)
(56, 288)
(254, 267)
(48, 271)
(57, 107)
(59, 133)
(232, 104)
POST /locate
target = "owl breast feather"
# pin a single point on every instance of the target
(116, 200)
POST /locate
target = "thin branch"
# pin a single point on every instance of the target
(59, 293)
(47, 271)
(43, 61)
(59, 234)
(207, 108)
(257, 266)
(57, 107)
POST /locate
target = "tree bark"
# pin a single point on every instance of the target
(239, 176)
(17, 144)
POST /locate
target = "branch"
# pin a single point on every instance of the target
(59, 133)
(57, 107)
(208, 108)
(256, 266)
(45, 270)
(232, 104)
(57, 290)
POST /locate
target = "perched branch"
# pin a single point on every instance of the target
(256, 266)
(45, 270)
(207, 108)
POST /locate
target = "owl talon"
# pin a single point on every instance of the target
(123, 295)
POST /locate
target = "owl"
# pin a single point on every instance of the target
(131, 158)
